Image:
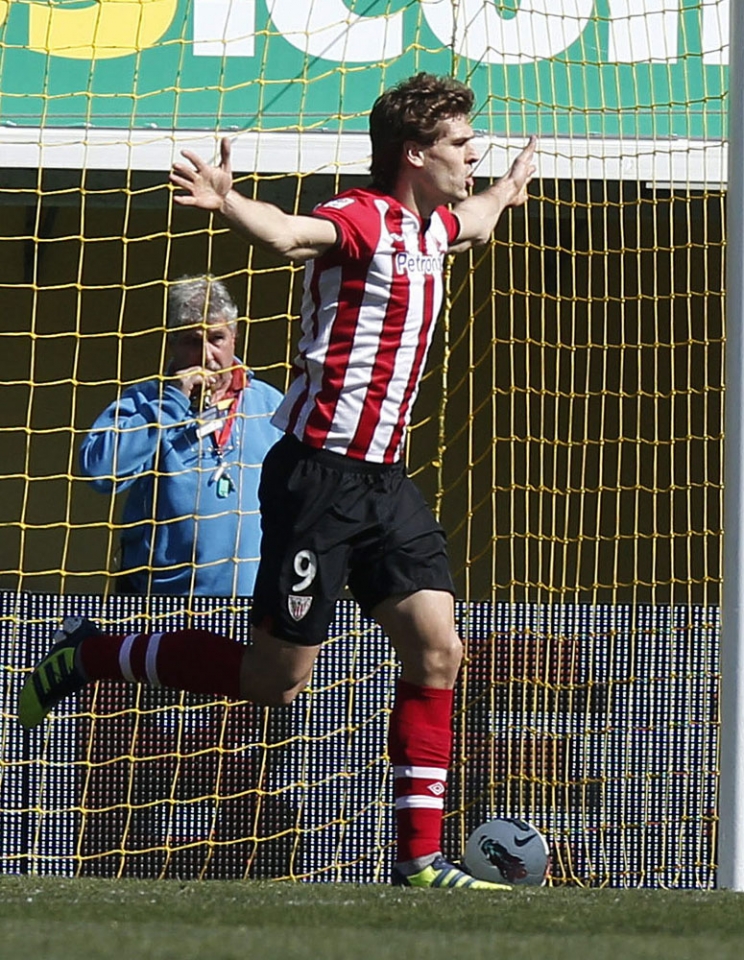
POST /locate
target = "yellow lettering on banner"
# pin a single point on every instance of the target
(4, 8)
(108, 28)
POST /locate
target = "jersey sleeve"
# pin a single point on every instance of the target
(356, 221)
(450, 222)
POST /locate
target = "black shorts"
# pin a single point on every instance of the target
(329, 521)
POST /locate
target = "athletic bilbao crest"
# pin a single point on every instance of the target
(298, 606)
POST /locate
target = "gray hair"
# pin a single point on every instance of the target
(201, 299)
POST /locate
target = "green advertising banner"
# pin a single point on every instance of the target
(643, 69)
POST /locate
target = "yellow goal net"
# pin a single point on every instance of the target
(568, 430)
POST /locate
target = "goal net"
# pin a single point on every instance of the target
(568, 430)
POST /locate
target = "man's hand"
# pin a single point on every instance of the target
(209, 187)
(193, 379)
(206, 186)
(479, 214)
(520, 174)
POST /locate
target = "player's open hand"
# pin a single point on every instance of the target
(521, 173)
(206, 186)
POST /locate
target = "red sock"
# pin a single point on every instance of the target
(194, 660)
(419, 745)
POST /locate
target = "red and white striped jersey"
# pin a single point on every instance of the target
(368, 314)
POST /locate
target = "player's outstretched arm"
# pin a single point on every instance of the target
(479, 214)
(210, 187)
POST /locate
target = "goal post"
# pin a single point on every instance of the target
(731, 803)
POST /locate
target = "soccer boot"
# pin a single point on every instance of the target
(440, 873)
(55, 676)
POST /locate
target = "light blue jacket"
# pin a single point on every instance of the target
(184, 531)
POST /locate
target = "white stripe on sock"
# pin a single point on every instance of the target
(125, 654)
(414, 801)
(421, 773)
(151, 660)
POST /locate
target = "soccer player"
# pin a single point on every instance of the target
(337, 506)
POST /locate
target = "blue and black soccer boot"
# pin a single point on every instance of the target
(56, 676)
(440, 873)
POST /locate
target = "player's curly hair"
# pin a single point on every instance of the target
(412, 110)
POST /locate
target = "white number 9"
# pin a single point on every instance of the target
(305, 566)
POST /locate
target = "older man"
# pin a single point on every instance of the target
(188, 448)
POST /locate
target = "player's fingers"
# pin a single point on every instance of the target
(182, 170)
(194, 159)
(180, 181)
(527, 154)
(524, 167)
(225, 152)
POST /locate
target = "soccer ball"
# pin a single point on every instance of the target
(507, 850)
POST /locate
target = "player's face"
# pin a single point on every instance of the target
(210, 346)
(447, 166)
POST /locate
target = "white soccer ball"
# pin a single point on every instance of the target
(507, 851)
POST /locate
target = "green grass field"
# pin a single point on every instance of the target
(55, 919)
